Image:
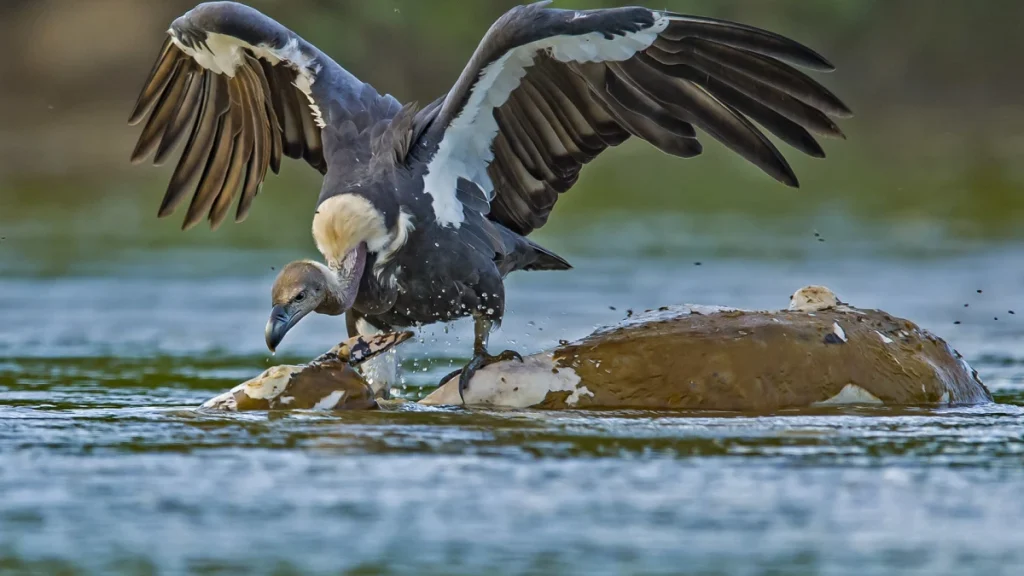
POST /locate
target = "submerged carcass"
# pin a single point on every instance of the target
(817, 352)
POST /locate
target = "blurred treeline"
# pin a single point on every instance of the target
(936, 85)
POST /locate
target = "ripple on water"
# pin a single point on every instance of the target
(105, 465)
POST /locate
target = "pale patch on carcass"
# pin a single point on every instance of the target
(330, 401)
(513, 384)
(813, 299)
(225, 401)
(839, 332)
(578, 393)
(466, 149)
(850, 394)
(271, 383)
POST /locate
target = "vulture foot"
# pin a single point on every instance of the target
(479, 360)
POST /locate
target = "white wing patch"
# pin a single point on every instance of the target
(226, 53)
(466, 150)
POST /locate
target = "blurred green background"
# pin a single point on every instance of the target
(935, 144)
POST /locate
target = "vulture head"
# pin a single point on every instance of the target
(347, 228)
(306, 286)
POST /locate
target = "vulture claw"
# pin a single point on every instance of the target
(479, 360)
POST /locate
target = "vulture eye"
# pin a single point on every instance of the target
(301, 296)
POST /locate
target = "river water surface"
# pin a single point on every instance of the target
(106, 467)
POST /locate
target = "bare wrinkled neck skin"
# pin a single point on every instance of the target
(343, 283)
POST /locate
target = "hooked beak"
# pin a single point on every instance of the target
(339, 300)
(281, 321)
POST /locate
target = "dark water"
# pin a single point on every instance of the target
(105, 467)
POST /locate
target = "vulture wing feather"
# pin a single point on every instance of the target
(183, 115)
(561, 86)
(157, 80)
(242, 90)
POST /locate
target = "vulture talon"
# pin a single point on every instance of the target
(480, 360)
(448, 377)
(509, 355)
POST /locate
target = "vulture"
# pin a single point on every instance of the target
(423, 211)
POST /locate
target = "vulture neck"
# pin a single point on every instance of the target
(333, 303)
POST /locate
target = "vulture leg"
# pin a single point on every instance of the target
(481, 331)
(351, 317)
(381, 371)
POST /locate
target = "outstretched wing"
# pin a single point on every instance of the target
(242, 90)
(548, 90)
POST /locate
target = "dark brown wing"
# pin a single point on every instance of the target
(589, 80)
(229, 83)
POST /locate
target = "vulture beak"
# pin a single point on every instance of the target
(282, 318)
(340, 287)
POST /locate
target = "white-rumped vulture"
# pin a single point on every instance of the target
(423, 211)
